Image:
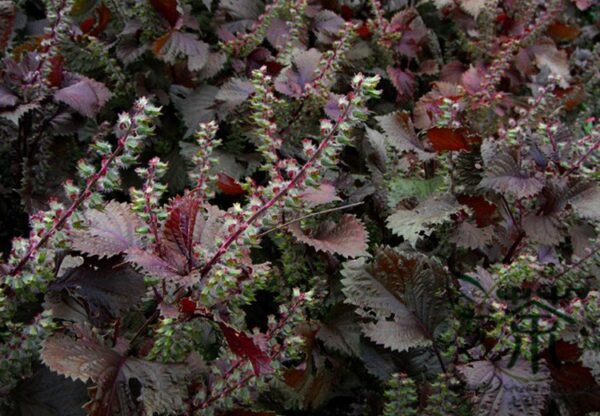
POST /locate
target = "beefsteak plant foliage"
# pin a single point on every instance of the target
(248, 207)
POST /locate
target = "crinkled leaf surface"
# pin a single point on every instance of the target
(502, 174)
(401, 135)
(412, 224)
(85, 358)
(110, 232)
(347, 237)
(398, 295)
(502, 391)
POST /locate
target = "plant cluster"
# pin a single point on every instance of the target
(324, 207)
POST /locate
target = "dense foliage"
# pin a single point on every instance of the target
(299, 207)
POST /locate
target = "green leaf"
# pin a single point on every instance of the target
(403, 188)
(412, 224)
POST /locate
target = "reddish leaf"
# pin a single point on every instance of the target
(363, 31)
(561, 32)
(56, 75)
(228, 185)
(346, 13)
(167, 9)
(187, 305)
(482, 209)
(244, 346)
(443, 138)
(180, 225)
(574, 95)
(96, 24)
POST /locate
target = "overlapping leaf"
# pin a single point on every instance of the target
(503, 391)
(293, 80)
(106, 287)
(398, 295)
(162, 385)
(175, 44)
(347, 237)
(110, 232)
(502, 174)
(86, 96)
(243, 345)
(415, 223)
(401, 135)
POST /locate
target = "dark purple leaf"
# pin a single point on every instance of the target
(107, 288)
(502, 391)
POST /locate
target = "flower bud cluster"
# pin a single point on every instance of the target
(146, 201)
(297, 12)
(20, 347)
(330, 63)
(203, 160)
(31, 259)
(263, 103)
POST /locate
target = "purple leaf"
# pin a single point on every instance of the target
(545, 229)
(7, 98)
(323, 194)
(403, 81)
(399, 297)
(327, 25)
(347, 236)
(473, 79)
(293, 80)
(174, 44)
(196, 106)
(401, 134)
(86, 96)
(503, 175)
(105, 287)
(110, 232)
(233, 93)
(278, 33)
(468, 235)
(502, 391)
(161, 386)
